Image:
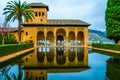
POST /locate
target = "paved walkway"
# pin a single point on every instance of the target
(108, 50)
(10, 56)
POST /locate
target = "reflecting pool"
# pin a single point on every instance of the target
(73, 63)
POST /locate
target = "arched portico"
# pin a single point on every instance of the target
(40, 38)
(60, 36)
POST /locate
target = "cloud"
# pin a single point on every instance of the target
(92, 11)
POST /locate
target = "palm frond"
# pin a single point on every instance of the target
(10, 17)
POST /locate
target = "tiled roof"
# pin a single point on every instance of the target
(39, 5)
(61, 22)
(66, 22)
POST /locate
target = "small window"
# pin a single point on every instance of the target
(39, 13)
(26, 33)
(26, 59)
(42, 13)
(41, 20)
(36, 14)
(41, 73)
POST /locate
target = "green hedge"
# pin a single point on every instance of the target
(107, 46)
(12, 48)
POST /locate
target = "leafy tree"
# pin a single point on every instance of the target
(16, 10)
(10, 39)
(4, 30)
(112, 17)
(0, 39)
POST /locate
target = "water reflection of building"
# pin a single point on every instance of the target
(35, 74)
(58, 57)
(47, 60)
(113, 69)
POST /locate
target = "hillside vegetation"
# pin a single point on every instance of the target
(96, 36)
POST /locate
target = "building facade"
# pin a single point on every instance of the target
(54, 32)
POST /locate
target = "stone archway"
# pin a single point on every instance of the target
(71, 38)
(40, 38)
(61, 34)
(80, 38)
(50, 38)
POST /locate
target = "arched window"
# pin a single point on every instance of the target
(35, 13)
(39, 13)
(41, 20)
(42, 13)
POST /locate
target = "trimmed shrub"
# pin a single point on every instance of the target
(12, 48)
(107, 46)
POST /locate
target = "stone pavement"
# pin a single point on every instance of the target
(108, 50)
(10, 56)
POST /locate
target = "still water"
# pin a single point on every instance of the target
(62, 64)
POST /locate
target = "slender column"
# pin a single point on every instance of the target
(76, 35)
(54, 40)
(67, 33)
(85, 37)
(55, 37)
(35, 42)
(45, 33)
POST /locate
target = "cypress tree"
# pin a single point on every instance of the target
(112, 18)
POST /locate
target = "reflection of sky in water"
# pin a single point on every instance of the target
(97, 62)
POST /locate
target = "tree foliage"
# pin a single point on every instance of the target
(112, 17)
(16, 10)
(9, 39)
(0, 39)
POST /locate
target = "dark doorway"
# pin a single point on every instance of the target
(60, 40)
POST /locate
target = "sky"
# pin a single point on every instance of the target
(91, 11)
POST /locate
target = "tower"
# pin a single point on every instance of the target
(40, 13)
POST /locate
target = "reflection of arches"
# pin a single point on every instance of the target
(50, 56)
(61, 58)
(80, 54)
(40, 56)
(80, 38)
(71, 56)
(40, 36)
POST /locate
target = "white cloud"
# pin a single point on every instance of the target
(92, 11)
